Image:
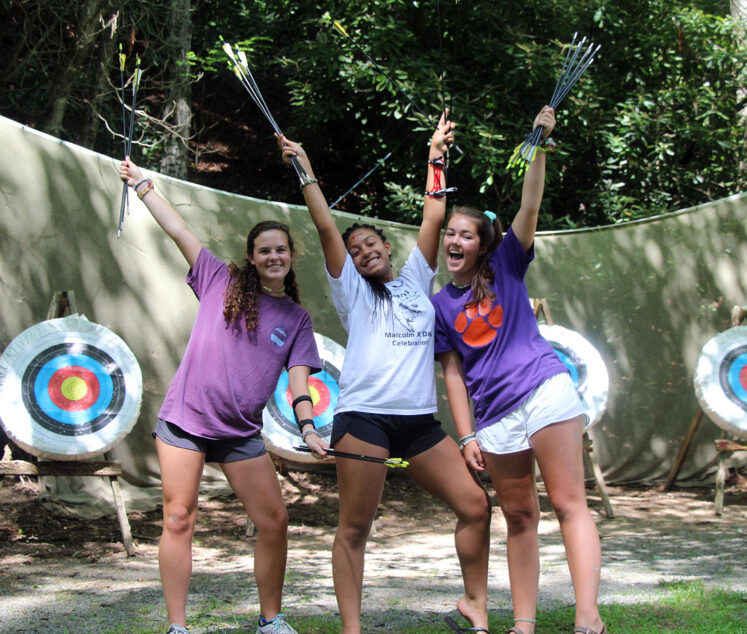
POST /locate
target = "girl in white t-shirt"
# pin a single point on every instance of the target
(387, 388)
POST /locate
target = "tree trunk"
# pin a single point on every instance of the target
(178, 91)
(106, 56)
(90, 12)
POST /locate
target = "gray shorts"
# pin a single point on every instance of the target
(215, 449)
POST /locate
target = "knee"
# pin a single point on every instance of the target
(179, 519)
(520, 517)
(354, 533)
(273, 522)
(566, 508)
(476, 509)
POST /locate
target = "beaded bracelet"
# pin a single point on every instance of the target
(308, 432)
(465, 440)
(149, 187)
(548, 145)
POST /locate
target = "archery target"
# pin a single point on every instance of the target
(721, 380)
(69, 389)
(585, 364)
(280, 431)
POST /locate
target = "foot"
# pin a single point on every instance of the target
(601, 629)
(278, 625)
(175, 628)
(477, 615)
(522, 626)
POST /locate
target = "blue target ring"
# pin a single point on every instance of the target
(576, 367)
(39, 372)
(45, 403)
(733, 376)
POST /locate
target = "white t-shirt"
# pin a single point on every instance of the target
(388, 366)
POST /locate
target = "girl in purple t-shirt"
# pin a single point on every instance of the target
(249, 327)
(525, 405)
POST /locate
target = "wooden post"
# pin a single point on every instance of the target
(598, 477)
(111, 470)
(725, 448)
(687, 441)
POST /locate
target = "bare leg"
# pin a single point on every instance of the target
(442, 471)
(514, 482)
(559, 450)
(256, 484)
(181, 470)
(360, 485)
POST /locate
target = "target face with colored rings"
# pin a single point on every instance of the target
(720, 380)
(585, 365)
(69, 389)
(280, 430)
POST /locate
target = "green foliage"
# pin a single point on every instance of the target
(652, 126)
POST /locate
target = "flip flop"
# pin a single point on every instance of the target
(588, 630)
(459, 630)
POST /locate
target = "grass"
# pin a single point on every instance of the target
(686, 608)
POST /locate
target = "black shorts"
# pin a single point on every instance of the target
(404, 436)
(215, 449)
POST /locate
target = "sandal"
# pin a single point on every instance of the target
(588, 630)
(455, 626)
(518, 630)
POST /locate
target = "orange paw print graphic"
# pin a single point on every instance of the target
(478, 324)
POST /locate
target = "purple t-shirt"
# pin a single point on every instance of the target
(227, 374)
(503, 354)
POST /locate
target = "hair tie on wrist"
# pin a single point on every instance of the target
(306, 432)
(491, 215)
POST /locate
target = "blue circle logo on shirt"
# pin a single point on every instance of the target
(278, 336)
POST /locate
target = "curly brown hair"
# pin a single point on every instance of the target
(242, 293)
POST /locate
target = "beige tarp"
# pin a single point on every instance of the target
(647, 294)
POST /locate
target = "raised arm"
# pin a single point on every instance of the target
(525, 221)
(434, 208)
(456, 391)
(329, 235)
(165, 215)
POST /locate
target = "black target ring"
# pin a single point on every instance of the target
(66, 425)
(69, 389)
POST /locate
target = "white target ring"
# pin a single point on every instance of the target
(586, 367)
(279, 428)
(720, 380)
(69, 389)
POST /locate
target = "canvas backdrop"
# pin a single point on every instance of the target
(647, 295)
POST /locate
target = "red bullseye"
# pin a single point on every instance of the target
(319, 393)
(73, 388)
(743, 377)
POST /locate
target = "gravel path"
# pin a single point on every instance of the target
(412, 576)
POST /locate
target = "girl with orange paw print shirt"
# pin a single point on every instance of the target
(525, 404)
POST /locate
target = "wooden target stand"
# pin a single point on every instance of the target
(541, 308)
(725, 446)
(62, 305)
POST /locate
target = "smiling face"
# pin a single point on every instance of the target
(462, 248)
(370, 254)
(272, 257)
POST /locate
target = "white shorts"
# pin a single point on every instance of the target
(554, 401)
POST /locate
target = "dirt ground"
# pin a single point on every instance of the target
(62, 574)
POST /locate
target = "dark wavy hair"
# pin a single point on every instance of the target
(243, 289)
(490, 234)
(382, 296)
